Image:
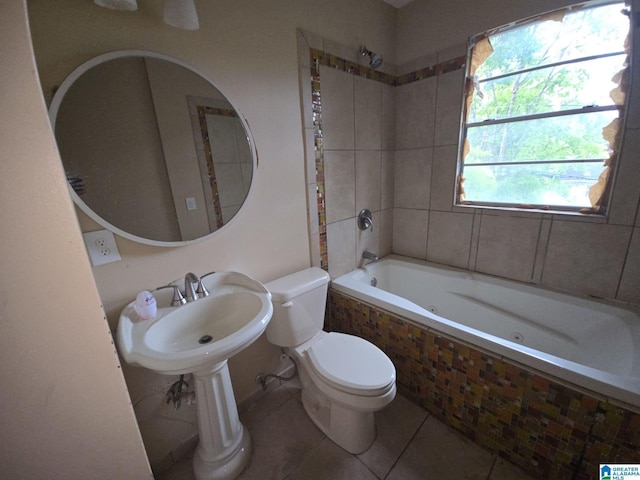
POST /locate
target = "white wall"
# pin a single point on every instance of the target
(65, 410)
(430, 26)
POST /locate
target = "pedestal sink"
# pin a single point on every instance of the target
(199, 338)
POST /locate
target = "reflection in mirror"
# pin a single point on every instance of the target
(152, 150)
(224, 157)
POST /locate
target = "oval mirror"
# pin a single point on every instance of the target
(152, 150)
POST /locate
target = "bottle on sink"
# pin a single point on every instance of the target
(146, 305)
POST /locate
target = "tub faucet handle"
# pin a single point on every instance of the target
(365, 220)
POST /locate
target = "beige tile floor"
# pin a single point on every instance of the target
(410, 445)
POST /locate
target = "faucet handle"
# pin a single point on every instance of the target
(178, 298)
(202, 290)
(365, 220)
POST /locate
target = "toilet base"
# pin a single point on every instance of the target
(352, 430)
(347, 419)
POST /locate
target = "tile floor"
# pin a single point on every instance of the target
(410, 445)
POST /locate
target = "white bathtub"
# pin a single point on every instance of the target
(591, 344)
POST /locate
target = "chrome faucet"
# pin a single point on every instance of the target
(191, 282)
(370, 256)
(194, 289)
(365, 220)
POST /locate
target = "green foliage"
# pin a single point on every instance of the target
(540, 91)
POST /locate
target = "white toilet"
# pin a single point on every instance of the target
(345, 379)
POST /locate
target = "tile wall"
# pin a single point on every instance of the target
(349, 113)
(390, 144)
(586, 255)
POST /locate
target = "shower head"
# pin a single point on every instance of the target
(375, 59)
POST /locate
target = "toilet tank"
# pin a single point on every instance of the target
(299, 302)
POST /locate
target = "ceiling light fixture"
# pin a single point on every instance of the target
(129, 5)
(180, 14)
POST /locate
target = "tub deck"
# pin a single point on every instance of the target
(589, 343)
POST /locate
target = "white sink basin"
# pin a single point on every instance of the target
(200, 334)
(198, 338)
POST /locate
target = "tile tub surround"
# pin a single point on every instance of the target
(419, 143)
(547, 428)
(350, 115)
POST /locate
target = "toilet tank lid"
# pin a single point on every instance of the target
(290, 286)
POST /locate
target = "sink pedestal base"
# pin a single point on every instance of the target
(224, 446)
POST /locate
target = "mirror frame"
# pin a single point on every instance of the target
(53, 113)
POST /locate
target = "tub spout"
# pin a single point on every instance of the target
(370, 256)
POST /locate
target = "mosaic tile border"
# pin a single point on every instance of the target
(550, 430)
(320, 58)
(203, 111)
(316, 106)
(433, 71)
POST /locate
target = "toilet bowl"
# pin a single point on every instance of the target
(345, 379)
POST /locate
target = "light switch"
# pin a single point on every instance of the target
(191, 203)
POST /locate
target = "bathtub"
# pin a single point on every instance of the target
(587, 343)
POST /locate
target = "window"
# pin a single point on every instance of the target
(543, 111)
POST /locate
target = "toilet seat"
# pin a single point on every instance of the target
(351, 364)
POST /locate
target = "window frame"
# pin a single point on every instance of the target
(601, 207)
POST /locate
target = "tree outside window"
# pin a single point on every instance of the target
(544, 102)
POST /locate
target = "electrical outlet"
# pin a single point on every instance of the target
(102, 247)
